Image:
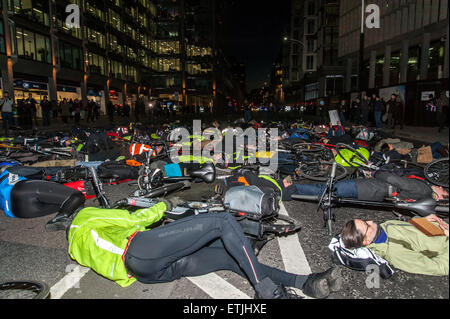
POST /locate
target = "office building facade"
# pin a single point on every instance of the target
(408, 54)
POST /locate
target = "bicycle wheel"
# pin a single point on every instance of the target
(437, 172)
(358, 155)
(320, 171)
(24, 290)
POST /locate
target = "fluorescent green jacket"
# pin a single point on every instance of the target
(410, 250)
(350, 157)
(98, 238)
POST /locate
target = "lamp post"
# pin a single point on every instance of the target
(361, 48)
(304, 75)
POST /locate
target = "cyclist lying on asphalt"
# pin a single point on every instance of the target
(116, 245)
(401, 244)
(381, 186)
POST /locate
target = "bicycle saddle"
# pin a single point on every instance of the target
(207, 173)
(423, 207)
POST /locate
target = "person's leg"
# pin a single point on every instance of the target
(152, 254)
(211, 259)
(33, 198)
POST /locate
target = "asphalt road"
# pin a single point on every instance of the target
(28, 252)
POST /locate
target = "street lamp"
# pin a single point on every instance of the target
(304, 75)
(293, 40)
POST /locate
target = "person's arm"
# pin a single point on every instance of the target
(418, 262)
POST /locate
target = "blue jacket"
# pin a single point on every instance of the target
(7, 182)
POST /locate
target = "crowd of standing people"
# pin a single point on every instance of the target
(376, 111)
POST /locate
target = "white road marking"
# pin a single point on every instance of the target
(217, 288)
(294, 257)
(69, 281)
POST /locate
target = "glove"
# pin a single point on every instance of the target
(173, 202)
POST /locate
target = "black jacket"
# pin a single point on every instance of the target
(377, 188)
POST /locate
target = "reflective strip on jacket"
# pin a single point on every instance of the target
(98, 238)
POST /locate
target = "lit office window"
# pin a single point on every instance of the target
(31, 10)
(116, 69)
(2, 39)
(167, 65)
(395, 68)
(96, 64)
(413, 64)
(193, 50)
(436, 60)
(197, 68)
(166, 47)
(70, 56)
(33, 46)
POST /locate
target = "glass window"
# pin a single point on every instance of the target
(413, 64)
(40, 48)
(2, 39)
(436, 60)
(395, 68)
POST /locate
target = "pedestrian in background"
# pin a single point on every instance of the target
(378, 111)
(365, 110)
(7, 105)
(110, 111)
(46, 108)
(442, 111)
(65, 110)
(430, 111)
(32, 107)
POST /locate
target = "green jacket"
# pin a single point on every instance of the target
(410, 250)
(98, 238)
(351, 158)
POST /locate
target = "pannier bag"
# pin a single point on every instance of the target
(251, 200)
(358, 259)
(251, 207)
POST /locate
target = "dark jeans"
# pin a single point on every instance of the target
(7, 119)
(344, 189)
(46, 118)
(378, 119)
(198, 245)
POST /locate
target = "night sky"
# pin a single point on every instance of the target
(255, 34)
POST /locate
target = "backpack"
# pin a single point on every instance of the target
(358, 259)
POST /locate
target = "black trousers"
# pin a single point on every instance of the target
(34, 198)
(196, 246)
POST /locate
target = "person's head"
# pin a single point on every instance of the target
(440, 193)
(45, 97)
(30, 95)
(393, 97)
(6, 95)
(386, 147)
(358, 233)
(377, 97)
(365, 97)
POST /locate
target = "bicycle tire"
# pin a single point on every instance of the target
(30, 289)
(431, 173)
(323, 175)
(358, 154)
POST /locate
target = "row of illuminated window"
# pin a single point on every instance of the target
(97, 64)
(32, 10)
(173, 47)
(31, 45)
